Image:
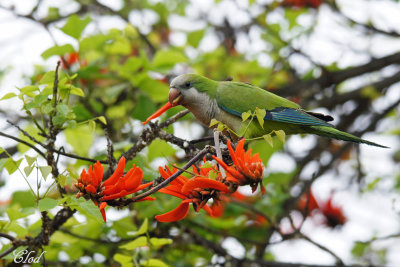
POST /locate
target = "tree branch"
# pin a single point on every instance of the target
(199, 156)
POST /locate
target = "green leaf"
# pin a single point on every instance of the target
(260, 114)
(117, 111)
(37, 102)
(155, 89)
(144, 108)
(371, 186)
(206, 165)
(268, 139)
(46, 204)
(76, 91)
(195, 37)
(58, 50)
(12, 165)
(48, 77)
(102, 119)
(246, 115)
(30, 160)
(154, 263)
(281, 135)
(48, 108)
(166, 59)
(29, 90)
(92, 125)
(45, 170)
(24, 199)
(8, 96)
(138, 242)
(160, 148)
(63, 109)
(17, 228)
(158, 242)
(86, 208)
(34, 132)
(53, 13)
(279, 178)
(359, 249)
(212, 175)
(213, 122)
(120, 46)
(15, 212)
(264, 149)
(75, 26)
(370, 92)
(28, 170)
(2, 163)
(292, 15)
(142, 229)
(80, 138)
(221, 127)
(64, 180)
(122, 259)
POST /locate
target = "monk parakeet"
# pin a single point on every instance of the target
(226, 101)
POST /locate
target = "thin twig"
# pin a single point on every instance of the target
(24, 142)
(200, 140)
(9, 237)
(110, 147)
(338, 259)
(8, 251)
(174, 118)
(26, 134)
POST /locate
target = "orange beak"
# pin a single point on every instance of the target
(174, 97)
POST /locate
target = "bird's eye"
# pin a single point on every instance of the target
(187, 84)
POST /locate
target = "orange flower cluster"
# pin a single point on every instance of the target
(116, 186)
(247, 169)
(206, 183)
(197, 190)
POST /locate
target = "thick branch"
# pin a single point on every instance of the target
(336, 77)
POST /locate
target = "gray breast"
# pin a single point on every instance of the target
(201, 105)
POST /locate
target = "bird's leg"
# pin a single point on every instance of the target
(218, 150)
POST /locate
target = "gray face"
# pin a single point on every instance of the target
(183, 87)
(182, 82)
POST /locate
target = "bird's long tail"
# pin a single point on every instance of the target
(337, 134)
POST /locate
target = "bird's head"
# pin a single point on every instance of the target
(186, 88)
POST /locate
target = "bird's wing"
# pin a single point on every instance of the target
(236, 98)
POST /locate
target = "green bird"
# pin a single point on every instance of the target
(225, 101)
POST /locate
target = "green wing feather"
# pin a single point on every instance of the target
(242, 97)
(236, 98)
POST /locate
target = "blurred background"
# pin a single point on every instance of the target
(335, 57)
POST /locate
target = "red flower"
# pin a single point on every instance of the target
(307, 202)
(333, 214)
(117, 186)
(218, 207)
(197, 190)
(246, 169)
(302, 3)
(69, 59)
